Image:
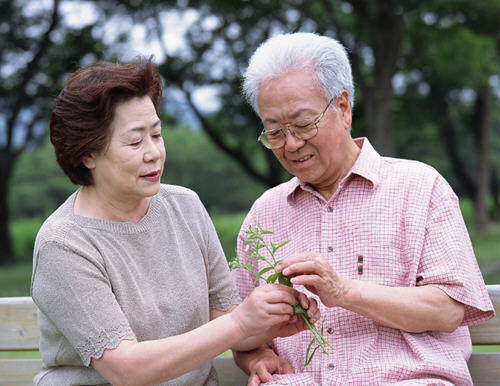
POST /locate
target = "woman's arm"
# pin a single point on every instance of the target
(141, 363)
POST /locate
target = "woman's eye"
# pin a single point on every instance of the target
(136, 143)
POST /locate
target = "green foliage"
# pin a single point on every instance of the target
(23, 234)
(228, 227)
(38, 184)
(194, 162)
(15, 280)
(256, 242)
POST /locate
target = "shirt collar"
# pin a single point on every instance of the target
(366, 166)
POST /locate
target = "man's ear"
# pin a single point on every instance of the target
(89, 161)
(343, 106)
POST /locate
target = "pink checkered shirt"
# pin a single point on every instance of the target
(404, 220)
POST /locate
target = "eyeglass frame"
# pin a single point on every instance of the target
(286, 128)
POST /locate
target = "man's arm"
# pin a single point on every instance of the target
(412, 309)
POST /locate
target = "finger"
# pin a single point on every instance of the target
(253, 380)
(279, 297)
(303, 267)
(292, 260)
(308, 280)
(313, 310)
(278, 309)
(263, 374)
(303, 301)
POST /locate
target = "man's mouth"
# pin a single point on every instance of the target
(303, 159)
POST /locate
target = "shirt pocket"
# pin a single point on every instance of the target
(382, 265)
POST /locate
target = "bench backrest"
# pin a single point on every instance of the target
(19, 332)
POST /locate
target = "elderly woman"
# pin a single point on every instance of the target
(129, 275)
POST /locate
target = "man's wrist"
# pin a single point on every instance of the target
(352, 293)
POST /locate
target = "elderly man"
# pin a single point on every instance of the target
(379, 241)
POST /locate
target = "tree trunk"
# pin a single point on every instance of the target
(483, 131)
(6, 164)
(379, 128)
(384, 24)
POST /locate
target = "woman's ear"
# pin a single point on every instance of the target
(89, 161)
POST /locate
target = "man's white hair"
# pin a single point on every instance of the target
(326, 57)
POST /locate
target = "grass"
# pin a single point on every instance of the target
(20, 355)
(15, 280)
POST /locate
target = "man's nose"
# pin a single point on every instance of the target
(292, 143)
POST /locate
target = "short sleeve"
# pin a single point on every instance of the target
(221, 289)
(73, 291)
(448, 261)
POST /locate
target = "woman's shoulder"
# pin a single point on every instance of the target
(176, 190)
(59, 223)
(178, 194)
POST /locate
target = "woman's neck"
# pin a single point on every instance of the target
(93, 203)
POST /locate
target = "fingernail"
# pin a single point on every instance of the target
(286, 271)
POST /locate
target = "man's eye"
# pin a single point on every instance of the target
(303, 125)
(273, 133)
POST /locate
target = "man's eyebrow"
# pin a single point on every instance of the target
(299, 112)
(295, 115)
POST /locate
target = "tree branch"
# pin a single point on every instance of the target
(29, 73)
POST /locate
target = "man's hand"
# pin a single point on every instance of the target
(261, 364)
(412, 309)
(314, 272)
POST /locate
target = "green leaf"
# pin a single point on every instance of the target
(272, 278)
(284, 280)
(267, 269)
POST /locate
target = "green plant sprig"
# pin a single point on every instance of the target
(256, 242)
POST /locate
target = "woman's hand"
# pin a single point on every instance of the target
(314, 272)
(267, 306)
(296, 323)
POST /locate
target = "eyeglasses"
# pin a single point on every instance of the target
(273, 136)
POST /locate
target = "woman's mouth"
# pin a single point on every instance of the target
(152, 177)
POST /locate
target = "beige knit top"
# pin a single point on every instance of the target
(97, 282)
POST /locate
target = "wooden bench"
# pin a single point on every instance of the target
(19, 332)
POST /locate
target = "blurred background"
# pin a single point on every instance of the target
(427, 88)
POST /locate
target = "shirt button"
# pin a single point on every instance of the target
(331, 366)
(329, 330)
(329, 249)
(330, 209)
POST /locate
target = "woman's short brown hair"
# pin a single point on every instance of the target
(83, 111)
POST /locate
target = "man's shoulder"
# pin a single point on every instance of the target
(415, 176)
(408, 169)
(278, 192)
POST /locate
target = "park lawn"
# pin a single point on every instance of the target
(15, 280)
